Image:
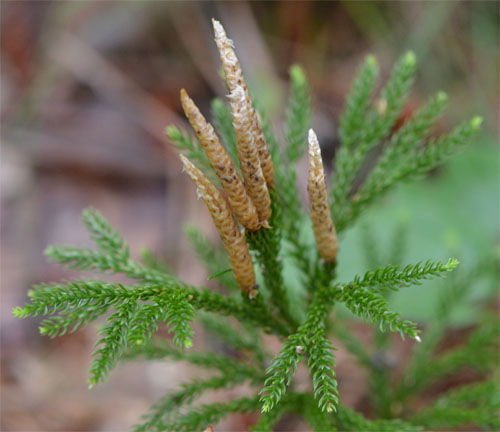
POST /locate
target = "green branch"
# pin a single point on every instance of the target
(357, 102)
(223, 123)
(377, 127)
(158, 349)
(416, 163)
(298, 116)
(474, 404)
(106, 238)
(266, 243)
(214, 259)
(234, 337)
(372, 308)
(347, 419)
(287, 190)
(310, 339)
(192, 149)
(279, 374)
(166, 412)
(393, 277)
(205, 414)
(112, 343)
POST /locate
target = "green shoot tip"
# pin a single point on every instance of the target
(18, 312)
(330, 408)
(92, 382)
(410, 59)
(371, 61)
(172, 132)
(442, 97)
(217, 103)
(297, 75)
(476, 122)
(188, 343)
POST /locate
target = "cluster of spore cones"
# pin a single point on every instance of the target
(248, 200)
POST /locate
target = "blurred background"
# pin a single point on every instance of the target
(87, 89)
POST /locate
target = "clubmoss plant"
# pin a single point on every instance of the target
(260, 226)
